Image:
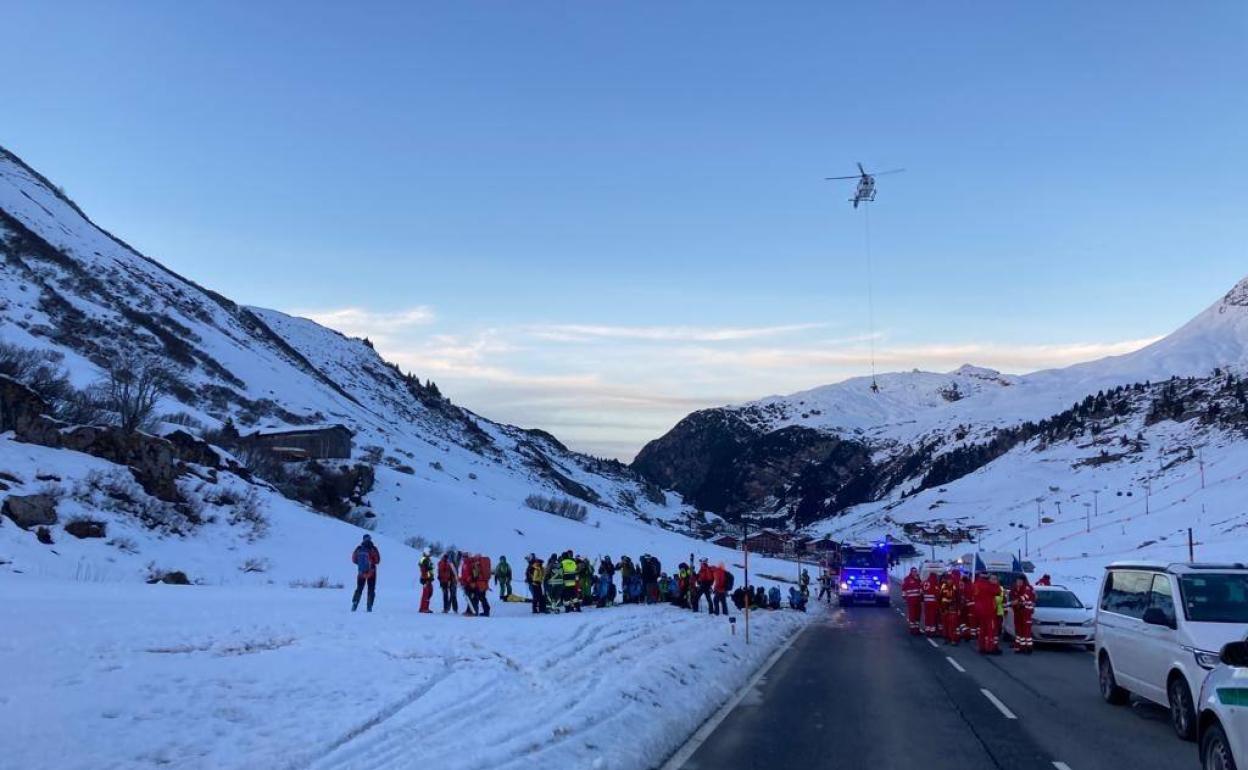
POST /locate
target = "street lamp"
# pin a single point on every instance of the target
(1087, 514)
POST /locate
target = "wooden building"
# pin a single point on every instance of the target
(330, 442)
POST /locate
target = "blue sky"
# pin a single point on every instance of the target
(594, 217)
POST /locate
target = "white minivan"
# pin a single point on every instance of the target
(1160, 629)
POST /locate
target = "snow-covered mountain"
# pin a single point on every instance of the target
(81, 297)
(808, 455)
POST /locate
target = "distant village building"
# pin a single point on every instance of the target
(766, 541)
(331, 442)
(727, 541)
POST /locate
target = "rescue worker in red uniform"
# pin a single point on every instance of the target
(912, 592)
(426, 581)
(1045, 580)
(931, 604)
(1023, 602)
(970, 627)
(986, 614)
(951, 606)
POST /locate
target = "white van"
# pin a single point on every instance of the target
(1160, 629)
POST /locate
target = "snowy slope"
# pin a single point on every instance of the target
(68, 287)
(1125, 487)
(804, 457)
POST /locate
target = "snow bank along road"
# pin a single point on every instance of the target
(124, 675)
(856, 690)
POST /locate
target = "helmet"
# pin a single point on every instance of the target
(368, 538)
(425, 552)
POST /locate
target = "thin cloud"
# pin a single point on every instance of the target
(359, 322)
(592, 332)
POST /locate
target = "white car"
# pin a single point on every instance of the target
(1223, 727)
(1160, 630)
(1060, 618)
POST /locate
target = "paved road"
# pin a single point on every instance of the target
(856, 690)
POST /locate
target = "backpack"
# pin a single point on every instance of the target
(728, 581)
(363, 560)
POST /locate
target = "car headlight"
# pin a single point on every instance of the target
(1088, 623)
(844, 586)
(884, 587)
(1206, 659)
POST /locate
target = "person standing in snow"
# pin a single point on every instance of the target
(721, 586)
(502, 578)
(365, 557)
(446, 581)
(466, 560)
(705, 582)
(535, 577)
(480, 569)
(571, 597)
(426, 581)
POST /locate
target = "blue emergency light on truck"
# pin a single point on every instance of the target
(864, 574)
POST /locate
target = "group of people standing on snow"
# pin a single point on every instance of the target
(960, 608)
(567, 582)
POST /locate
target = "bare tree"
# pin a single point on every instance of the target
(132, 387)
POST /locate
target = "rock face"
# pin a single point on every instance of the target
(31, 510)
(84, 529)
(724, 465)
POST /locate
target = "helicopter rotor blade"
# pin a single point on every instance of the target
(830, 178)
(862, 170)
(891, 171)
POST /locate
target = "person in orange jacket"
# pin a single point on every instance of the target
(466, 583)
(931, 604)
(1023, 602)
(705, 581)
(970, 627)
(912, 592)
(426, 581)
(951, 606)
(481, 585)
(719, 588)
(446, 581)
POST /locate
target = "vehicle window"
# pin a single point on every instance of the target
(1127, 593)
(1163, 596)
(863, 559)
(1064, 600)
(1215, 597)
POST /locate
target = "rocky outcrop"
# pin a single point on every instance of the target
(30, 510)
(722, 464)
(156, 462)
(84, 529)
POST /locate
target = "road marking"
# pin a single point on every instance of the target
(958, 666)
(932, 642)
(1061, 765)
(682, 755)
(997, 702)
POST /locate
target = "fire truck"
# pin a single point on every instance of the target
(864, 574)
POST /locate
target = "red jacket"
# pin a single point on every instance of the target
(985, 598)
(931, 588)
(706, 574)
(1023, 598)
(465, 570)
(446, 571)
(912, 588)
(718, 585)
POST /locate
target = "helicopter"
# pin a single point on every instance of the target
(866, 184)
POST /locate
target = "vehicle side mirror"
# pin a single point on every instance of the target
(1155, 616)
(1236, 654)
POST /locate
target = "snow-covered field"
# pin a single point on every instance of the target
(129, 675)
